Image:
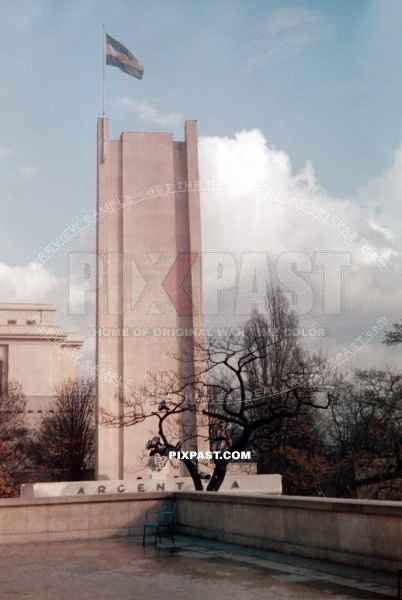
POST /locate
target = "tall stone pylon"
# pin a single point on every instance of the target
(148, 277)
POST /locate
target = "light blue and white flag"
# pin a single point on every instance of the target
(119, 56)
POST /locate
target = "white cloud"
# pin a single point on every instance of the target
(26, 283)
(147, 112)
(249, 211)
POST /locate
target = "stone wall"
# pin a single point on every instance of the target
(353, 532)
(52, 519)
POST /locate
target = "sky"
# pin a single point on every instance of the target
(299, 98)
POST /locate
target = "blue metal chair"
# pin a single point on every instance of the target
(161, 522)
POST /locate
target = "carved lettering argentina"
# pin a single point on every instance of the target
(269, 484)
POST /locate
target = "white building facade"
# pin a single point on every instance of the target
(36, 353)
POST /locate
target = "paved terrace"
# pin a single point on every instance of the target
(195, 569)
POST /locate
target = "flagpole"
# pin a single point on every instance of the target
(103, 69)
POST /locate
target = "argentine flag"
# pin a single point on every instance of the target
(119, 56)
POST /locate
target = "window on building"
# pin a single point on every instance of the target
(31, 322)
(12, 322)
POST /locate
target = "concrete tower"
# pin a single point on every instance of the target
(148, 239)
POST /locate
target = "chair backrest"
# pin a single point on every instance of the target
(169, 506)
(167, 514)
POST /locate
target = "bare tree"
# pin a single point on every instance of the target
(12, 412)
(365, 432)
(393, 336)
(65, 442)
(237, 386)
